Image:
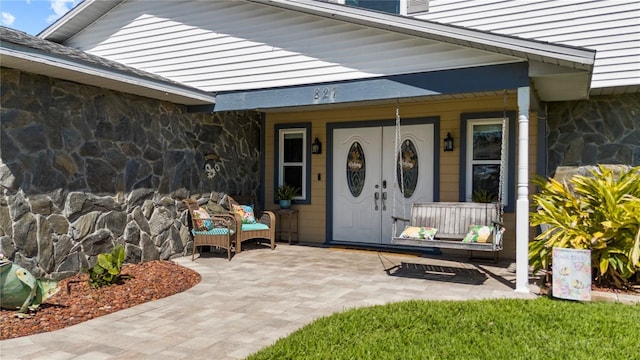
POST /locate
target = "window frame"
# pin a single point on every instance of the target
(396, 3)
(279, 132)
(405, 7)
(467, 121)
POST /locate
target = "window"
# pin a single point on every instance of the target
(388, 6)
(398, 7)
(482, 138)
(293, 159)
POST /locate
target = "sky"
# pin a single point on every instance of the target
(33, 16)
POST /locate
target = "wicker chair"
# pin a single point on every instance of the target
(221, 235)
(264, 228)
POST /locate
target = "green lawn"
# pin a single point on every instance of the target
(486, 329)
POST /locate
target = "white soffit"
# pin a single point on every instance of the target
(564, 59)
(238, 45)
(91, 10)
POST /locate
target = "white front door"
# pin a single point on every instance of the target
(366, 191)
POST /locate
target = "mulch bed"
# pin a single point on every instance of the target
(149, 281)
(635, 290)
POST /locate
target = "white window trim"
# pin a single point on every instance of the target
(303, 163)
(471, 162)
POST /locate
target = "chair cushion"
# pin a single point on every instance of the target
(256, 226)
(246, 213)
(214, 231)
(202, 219)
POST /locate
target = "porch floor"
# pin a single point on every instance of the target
(245, 304)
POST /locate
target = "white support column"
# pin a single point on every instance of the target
(522, 201)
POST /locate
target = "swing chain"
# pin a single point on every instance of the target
(398, 167)
(502, 157)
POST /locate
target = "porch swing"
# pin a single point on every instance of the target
(471, 226)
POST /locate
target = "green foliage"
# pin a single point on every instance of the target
(483, 196)
(600, 212)
(480, 329)
(107, 268)
(287, 192)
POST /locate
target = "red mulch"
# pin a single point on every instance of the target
(149, 281)
(635, 290)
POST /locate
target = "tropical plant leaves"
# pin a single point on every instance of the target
(600, 212)
(107, 269)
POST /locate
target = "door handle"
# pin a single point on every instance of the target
(376, 197)
(384, 201)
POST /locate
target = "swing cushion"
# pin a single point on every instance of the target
(419, 232)
(479, 234)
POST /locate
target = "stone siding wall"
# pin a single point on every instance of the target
(602, 130)
(83, 169)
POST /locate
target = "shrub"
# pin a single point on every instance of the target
(107, 268)
(600, 212)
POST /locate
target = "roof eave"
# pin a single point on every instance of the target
(95, 76)
(59, 30)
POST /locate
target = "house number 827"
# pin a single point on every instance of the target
(322, 94)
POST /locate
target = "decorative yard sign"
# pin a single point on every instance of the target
(571, 274)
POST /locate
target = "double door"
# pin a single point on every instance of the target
(367, 189)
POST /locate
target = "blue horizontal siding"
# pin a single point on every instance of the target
(477, 79)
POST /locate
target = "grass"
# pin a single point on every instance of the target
(483, 329)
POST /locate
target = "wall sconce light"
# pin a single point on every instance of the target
(448, 143)
(316, 147)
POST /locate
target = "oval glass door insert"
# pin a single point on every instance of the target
(356, 169)
(408, 168)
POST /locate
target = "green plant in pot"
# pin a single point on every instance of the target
(285, 193)
(483, 196)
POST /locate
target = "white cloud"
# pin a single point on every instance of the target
(60, 7)
(7, 18)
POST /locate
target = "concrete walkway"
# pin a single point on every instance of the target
(245, 304)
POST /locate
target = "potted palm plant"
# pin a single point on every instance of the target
(285, 193)
(484, 196)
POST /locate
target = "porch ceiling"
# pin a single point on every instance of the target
(557, 72)
(566, 74)
(563, 55)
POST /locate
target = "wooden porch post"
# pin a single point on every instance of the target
(522, 201)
